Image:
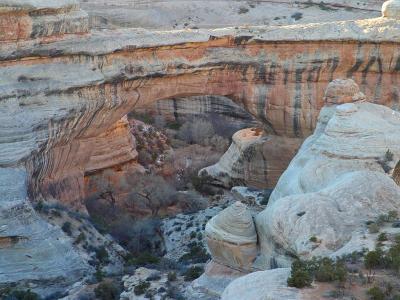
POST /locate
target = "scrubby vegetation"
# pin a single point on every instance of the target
(319, 269)
(107, 291)
(358, 268)
(12, 294)
(193, 272)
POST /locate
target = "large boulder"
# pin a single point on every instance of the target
(231, 237)
(337, 182)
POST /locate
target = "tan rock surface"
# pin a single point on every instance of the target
(231, 237)
(254, 159)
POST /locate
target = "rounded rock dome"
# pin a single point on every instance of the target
(391, 9)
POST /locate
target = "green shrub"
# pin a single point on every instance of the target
(67, 228)
(81, 237)
(171, 276)
(376, 293)
(196, 254)
(141, 288)
(202, 183)
(382, 237)
(106, 291)
(102, 255)
(373, 259)
(99, 274)
(313, 239)
(389, 155)
(299, 279)
(174, 125)
(21, 295)
(192, 273)
(373, 228)
(320, 269)
(143, 259)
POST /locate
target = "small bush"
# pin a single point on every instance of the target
(297, 16)
(141, 288)
(382, 237)
(313, 239)
(143, 259)
(171, 276)
(389, 155)
(299, 278)
(376, 293)
(193, 273)
(67, 228)
(81, 237)
(99, 274)
(106, 291)
(373, 228)
(21, 295)
(102, 255)
(197, 254)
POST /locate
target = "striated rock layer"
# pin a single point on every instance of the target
(28, 19)
(254, 159)
(231, 237)
(33, 254)
(279, 81)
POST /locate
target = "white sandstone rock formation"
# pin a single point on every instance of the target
(391, 9)
(263, 285)
(333, 186)
(231, 237)
(253, 159)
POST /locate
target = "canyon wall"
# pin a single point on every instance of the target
(63, 93)
(64, 90)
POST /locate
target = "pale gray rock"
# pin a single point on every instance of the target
(333, 186)
(262, 285)
(33, 254)
(391, 9)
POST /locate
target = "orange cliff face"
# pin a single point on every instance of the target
(58, 98)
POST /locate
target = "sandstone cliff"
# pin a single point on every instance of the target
(278, 80)
(62, 87)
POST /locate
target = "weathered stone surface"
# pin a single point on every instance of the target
(333, 186)
(212, 282)
(223, 13)
(341, 91)
(391, 9)
(263, 285)
(33, 254)
(231, 237)
(29, 19)
(254, 159)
